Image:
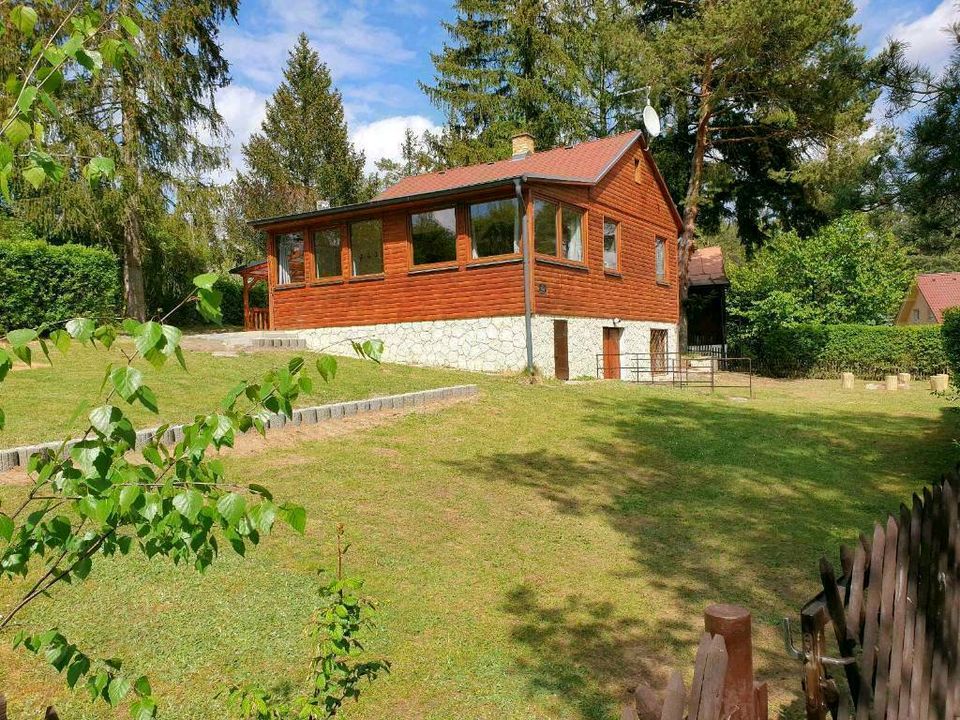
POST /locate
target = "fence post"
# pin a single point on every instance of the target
(743, 699)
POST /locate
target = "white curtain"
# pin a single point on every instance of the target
(283, 261)
(572, 236)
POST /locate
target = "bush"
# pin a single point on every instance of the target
(232, 305)
(951, 339)
(810, 350)
(50, 283)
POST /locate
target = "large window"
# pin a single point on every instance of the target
(493, 228)
(611, 245)
(434, 236)
(366, 247)
(290, 267)
(558, 230)
(661, 260)
(326, 251)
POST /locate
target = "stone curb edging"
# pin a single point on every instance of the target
(20, 456)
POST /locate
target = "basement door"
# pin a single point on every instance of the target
(561, 353)
(611, 352)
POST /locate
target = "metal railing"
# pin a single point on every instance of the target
(678, 370)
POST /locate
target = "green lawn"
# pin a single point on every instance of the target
(533, 551)
(39, 401)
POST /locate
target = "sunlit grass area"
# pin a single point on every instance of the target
(533, 551)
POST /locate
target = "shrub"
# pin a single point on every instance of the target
(867, 350)
(48, 283)
(231, 288)
(951, 339)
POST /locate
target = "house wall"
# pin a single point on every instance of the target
(916, 302)
(631, 196)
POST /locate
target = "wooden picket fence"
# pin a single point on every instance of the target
(723, 684)
(895, 613)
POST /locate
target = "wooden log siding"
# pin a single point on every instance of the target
(489, 287)
(896, 611)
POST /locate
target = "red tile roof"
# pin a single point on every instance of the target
(587, 163)
(940, 290)
(706, 267)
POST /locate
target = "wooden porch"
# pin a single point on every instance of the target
(254, 318)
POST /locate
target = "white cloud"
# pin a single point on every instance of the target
(926, 37)
(243, 110)
(383, 138)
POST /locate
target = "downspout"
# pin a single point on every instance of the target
(527, 273)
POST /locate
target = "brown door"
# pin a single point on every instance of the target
(658, 350)
(561, 358)
(611, 353)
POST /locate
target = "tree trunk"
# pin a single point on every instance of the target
(133, 289)
(691, 203)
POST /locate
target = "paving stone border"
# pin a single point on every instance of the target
(19, 456)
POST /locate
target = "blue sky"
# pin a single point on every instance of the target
(377, 51)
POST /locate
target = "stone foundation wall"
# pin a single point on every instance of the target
(494, 344)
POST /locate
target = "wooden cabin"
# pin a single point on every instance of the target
(547, 259)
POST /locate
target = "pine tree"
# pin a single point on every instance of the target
(414, 159)
(303, 153)
(502, 71)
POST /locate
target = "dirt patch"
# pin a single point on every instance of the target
(253, 443)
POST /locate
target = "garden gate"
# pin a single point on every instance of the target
(895, 613)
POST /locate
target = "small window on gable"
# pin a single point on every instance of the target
(611, 244)
(290, 260)
(916, 315)
(931, 317)
(366, 247)
(661, 255)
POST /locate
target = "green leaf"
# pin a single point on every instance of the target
(61, 340)
(295, 516)
(3, 419)
(373, 349)
(327, 367)
(6, 363)
(128, 496)
(189, 503)
(118, 689)
(105, 418)
(97, 509)
(92, 60)
(17, 132)
(78, 668)
(148, 336)
(18, 340)
(232, 507)
(35, 176)
(6, 527)
(81, 328)
(24, 19)
(148, 399)
(142, 686)
(26, 99)
(127, 380)
(260, 490)
(172, 335)
(130, 26)
(99, 168)
(206, 281)
(143, 709)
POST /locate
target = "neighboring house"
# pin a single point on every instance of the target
(547, 259)
(928, 297)
(707, 299)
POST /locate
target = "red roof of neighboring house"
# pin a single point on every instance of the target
(585, 163)
(940, 290)
(706, 267)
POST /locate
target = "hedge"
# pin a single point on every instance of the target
(808, 350)
(951, 339)
(44, 283)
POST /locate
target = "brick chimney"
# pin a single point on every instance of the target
(522, 145)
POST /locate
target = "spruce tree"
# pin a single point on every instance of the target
(503, 70)
(302, 153)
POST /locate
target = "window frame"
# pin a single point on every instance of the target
(353, 266)
(411, 256)
(659, 241)
(618, 240)
(338, 227)
(557, 255)
(473, 257)
(275, 239)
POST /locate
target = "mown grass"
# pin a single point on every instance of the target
(533, 551)
(40, 400)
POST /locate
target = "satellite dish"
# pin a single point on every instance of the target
(651, 120)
